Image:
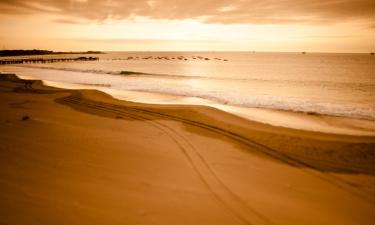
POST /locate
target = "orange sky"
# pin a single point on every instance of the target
(188, 25)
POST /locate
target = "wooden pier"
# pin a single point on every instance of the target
(45, 60)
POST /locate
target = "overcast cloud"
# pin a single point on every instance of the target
(207, 11)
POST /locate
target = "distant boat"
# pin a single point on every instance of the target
(303, 53)
(371, 53)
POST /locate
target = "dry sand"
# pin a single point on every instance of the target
(82, 157)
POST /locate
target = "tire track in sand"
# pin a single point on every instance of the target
(230, 201)
(222, 193)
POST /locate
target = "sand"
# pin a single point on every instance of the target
(83, 157)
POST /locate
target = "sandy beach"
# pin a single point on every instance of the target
(83, 157)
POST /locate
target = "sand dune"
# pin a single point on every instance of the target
(82, 157)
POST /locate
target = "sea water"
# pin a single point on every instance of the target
(336, 85)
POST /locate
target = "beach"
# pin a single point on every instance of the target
(83, 157)
(281, 89)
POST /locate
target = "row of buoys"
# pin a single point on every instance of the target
(170, 58)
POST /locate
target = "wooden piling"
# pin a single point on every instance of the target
(41, 60)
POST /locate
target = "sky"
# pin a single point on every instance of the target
(189, 25)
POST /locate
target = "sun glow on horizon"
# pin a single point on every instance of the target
(51, 30)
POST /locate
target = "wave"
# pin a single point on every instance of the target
(358, 85)
(129, 73)
(272, 102)
(95, 71)
(95, 84)
(317, 107)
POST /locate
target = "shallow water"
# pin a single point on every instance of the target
(314, 83)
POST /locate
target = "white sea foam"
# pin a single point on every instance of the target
(269, 102)
(335, 85)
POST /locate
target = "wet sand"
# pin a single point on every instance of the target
(83, 157)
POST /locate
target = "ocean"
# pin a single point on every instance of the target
(249, 83)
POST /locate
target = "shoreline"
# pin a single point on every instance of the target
(82, 156)
(236, 123)
(280, 118)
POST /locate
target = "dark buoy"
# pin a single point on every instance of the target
(304, 53)
(25, 118)
(371, 53)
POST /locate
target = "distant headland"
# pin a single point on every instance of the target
(40, 52)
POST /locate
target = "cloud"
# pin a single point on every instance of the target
(207, 11)
(67, 21)
(328, 36)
